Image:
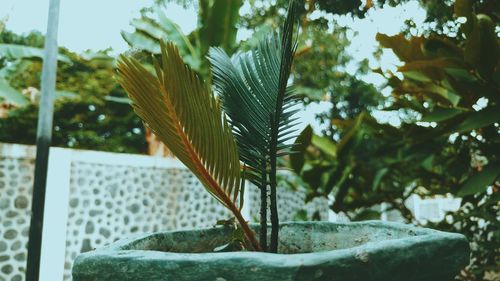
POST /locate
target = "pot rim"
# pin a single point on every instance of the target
(417, 235)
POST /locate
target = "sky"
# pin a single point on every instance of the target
(96, 25)
(89, 24)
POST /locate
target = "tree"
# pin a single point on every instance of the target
(447, 93)
(91, 111)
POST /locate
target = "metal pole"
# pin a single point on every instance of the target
(43, 141)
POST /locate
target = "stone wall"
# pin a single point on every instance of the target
(16, 180)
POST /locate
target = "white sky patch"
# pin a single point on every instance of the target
(89, 24)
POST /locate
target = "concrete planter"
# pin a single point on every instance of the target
(368, 251)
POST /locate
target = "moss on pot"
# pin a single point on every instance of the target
(307, 251)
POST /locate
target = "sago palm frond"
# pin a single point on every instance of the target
(184, 114)
(255, 96)
(253, 88)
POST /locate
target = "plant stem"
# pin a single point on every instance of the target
(223, 196)
(249, 233)
(263, 208)
(287, 54)
(274, 208)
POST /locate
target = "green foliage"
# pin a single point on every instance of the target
(447, 92)
(319, 73)
(14, 51)
(150, 31)
(81, 124)
(11, 95)
(478, 220)
(12, 59)
(33, 39)
(479, 182)
(216, 27)
(86, 115)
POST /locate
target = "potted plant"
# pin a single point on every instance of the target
(239, 136)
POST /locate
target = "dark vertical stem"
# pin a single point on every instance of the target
(263, 207)
(273, 247)
(44, 138)
(287, 53)
(274, 208)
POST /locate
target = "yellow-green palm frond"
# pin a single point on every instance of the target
(185, 115)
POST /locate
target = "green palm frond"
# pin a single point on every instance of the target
(253, 88)
(255, 96)
(185, 115)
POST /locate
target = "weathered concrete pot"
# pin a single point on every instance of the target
(361, 251)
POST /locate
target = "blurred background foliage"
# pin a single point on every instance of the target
(445, 94)
(91, 111)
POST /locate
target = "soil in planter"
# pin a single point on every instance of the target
(304, 238)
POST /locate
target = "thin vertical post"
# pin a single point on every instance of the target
(43, 141)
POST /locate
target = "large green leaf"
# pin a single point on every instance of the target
(16, 66)
(297, 159)
(441, 114)
(443, 92)
(218, 19)
(11, 95)
(478, 119)
(155, 31)
(141, 41)
(482, 48)
(315, 173)
(417, 76)
(325, 145)
(13, 51)
(150, 31)
(461, 74)
(182, 112)
(194, 131)
(378, 178)
(149, 27)
(480, 181)
(351, 132)
(174, 33)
